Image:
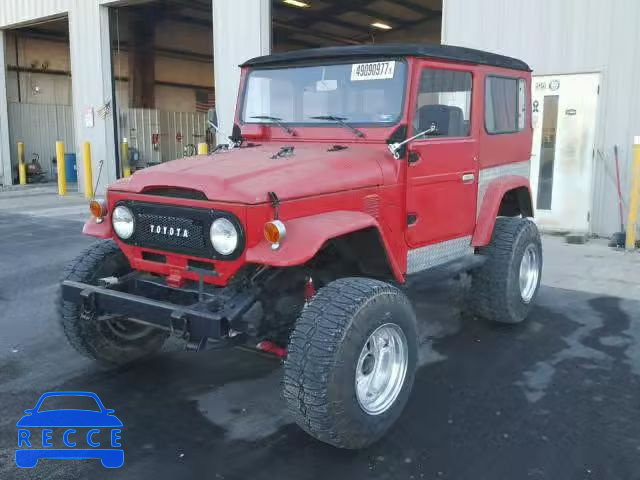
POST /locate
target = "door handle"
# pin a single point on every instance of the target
(468, 178)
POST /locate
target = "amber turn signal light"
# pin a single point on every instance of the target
(274, 231)
(98, 208)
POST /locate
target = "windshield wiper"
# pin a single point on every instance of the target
(277, 121)
(341, 121)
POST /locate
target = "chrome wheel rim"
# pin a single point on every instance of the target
(529, 273)
(381, 369)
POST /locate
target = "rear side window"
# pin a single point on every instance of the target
(505, 104)
(444, 103)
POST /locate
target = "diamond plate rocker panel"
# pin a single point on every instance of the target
(430, 256)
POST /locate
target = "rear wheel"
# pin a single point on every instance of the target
(505, 287)
(109, 339)
(351, 362)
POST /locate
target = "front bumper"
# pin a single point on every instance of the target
(198, 315)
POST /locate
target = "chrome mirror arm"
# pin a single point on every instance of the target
(230, 144)
(394, 148)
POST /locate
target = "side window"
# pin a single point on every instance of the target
(505, 106)
(444, 103)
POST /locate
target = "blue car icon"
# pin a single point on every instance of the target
(32, 448)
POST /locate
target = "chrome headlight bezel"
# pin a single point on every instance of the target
(224, 230)
(123, 232)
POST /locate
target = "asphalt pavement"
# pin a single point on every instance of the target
(555, 398)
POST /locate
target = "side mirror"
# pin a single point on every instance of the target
(394, 148)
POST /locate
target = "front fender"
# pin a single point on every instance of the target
(490, 206)
(307, 235)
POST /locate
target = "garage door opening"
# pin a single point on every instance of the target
(39, 99)
(323, 23)
(162, 53)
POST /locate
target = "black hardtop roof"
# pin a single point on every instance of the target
(439, 52)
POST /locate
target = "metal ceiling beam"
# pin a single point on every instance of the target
(334, 21)
(314, 33)
(280, 36)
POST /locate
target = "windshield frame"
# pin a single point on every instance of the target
(328, 62)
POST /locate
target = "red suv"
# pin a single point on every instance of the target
(349, 169)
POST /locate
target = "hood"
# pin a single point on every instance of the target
(246, 175)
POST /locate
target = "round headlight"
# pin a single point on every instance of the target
(224, 236)
(123, 223)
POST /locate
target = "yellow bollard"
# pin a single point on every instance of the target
(634, 196)
(203, 149)
(62, 174)
(22, 167)
(86, 167)
(126, 168)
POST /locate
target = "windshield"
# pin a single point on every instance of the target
(358, 93)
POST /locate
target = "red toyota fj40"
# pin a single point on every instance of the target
(348, 170)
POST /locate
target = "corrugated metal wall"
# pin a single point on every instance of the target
(19, 11)
(175, 130)
(39, 127)
(569, 36)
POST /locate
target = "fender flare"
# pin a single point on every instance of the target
(307, 235)
(490, 206)
(98, 230)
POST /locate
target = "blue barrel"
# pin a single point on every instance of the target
(70, 167)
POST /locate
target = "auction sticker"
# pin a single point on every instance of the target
(372, 71)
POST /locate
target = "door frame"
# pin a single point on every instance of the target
(476, 122)
(599, 134)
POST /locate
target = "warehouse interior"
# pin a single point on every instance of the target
(39, 96)
(163, 65)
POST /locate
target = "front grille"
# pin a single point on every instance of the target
(177, 229)
(164, 231)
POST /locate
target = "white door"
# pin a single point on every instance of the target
(564, 109)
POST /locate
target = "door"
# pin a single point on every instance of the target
(442, 170)
(564, 112)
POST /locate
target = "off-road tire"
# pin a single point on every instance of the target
(495, 290)
(320, 369)
(90, 337)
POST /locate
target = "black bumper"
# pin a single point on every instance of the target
(197, 321)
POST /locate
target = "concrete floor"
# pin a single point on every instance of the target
(555, 398)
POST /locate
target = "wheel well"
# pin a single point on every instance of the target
(516, 202)
(361, 253)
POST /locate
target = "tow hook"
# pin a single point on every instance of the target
(270, 347)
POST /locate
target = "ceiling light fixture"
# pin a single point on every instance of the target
(296, 3)
(381, 26)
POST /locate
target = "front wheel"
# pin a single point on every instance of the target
(505, 287)
(351, 362)
(115, 340)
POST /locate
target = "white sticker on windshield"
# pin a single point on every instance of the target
(372, 71)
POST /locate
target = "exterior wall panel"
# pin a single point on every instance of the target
(15, 12)
(571, 36)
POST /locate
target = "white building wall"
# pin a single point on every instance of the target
(569, 36)
(241, 30)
